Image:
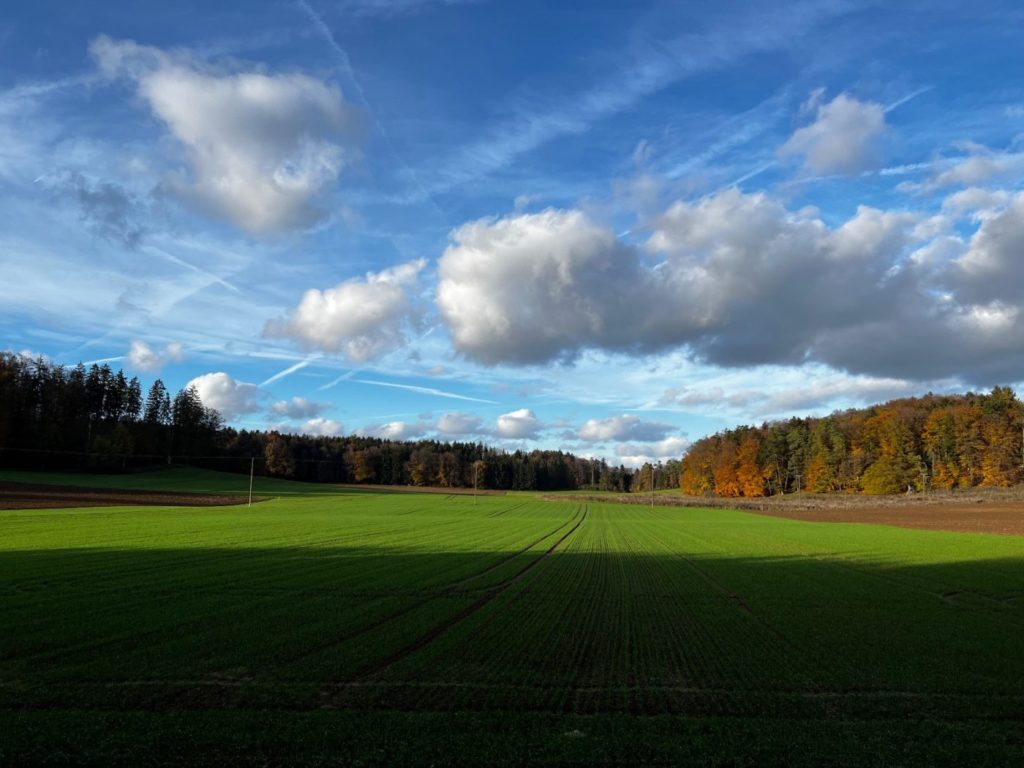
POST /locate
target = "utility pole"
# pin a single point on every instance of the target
(252, 471)
(652, 486)
(476, 471)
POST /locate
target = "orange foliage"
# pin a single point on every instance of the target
(727, 483)
(749, 476)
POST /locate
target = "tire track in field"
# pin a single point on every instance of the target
(488, 597)
(741, 604)
(447, 590)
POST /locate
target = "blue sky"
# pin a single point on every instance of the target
(609, 228)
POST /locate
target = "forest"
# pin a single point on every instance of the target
(95, 418)
(915, 444)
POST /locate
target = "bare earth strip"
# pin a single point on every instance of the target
(981, 510)
(30, 496)
(1005, 518)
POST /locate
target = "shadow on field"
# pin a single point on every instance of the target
(839, 643)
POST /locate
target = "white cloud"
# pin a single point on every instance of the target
(519, 424)
(260, 148)
(459, 424)
(297, 408)
(321, 427)
(843, 138)
(980, 166)
(533, 287)
(29, 355)
(318, 427)
(144, 358)
(362, 318)
(395, 430)
(226, 395)
(541, 287)
(638, 454)
(975, 200)
(742, 281)
(778, 393)
(625, 427)
(991, 269)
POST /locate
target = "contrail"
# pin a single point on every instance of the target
(346, 64)
(426, 391)
(182, 263)
(290, 370)
(908, 97)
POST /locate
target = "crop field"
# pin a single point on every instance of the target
(348, 627)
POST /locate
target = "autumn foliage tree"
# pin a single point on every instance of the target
(936, 441)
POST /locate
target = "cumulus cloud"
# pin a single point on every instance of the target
(534, 287)
(361, 318)
(625, 427)
(638, 454)
(976, 201)
(395, 430)
(844, 137)
(260, 147)
(297, 408)
(519, 424)
(321, 427)
(144, 358)
(739, 280)
(459, 424)
(226, 395)
(981, 165)
(992, 268)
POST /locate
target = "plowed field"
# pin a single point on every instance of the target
(14, 495)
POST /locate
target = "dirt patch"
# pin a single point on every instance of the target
(979, 510)
(1005, 518)
(31, 496)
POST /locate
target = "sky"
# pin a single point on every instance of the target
(608, 228)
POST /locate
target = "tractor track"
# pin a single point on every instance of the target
(488, 597)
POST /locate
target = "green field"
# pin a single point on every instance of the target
(379, 629)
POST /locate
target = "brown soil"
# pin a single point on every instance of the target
(31, 496)
(1006, 518)
(980, 510)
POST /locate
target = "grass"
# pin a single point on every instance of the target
(357, 628)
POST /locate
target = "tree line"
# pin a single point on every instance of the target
(911, 444)
(95, 418)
